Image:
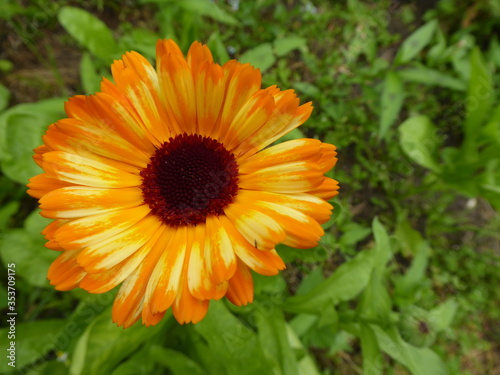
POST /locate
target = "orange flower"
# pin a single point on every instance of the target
(162, 182)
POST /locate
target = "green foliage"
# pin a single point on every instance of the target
(405, 274)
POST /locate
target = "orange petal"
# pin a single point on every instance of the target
(129, 301)
(209, 91)
(287, 115)
(291, 151)
(198, 55)
(240, 289)
(258, 228)
(315, 207)
(327, 190)
(251, 116)
(265, 262)
(294, 177)
(111, 251)
(83, 171)
(212, 261)
(94, 229)
(111, 113)
(49, 233)
(43, 184)
(76, 136)
(186, 308)
(80, 201)
(241, 82)
(138, 82)
(163, 285)
(177, 92)
(328, 157)
(65, 273)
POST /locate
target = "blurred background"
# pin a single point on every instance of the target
(406, 279)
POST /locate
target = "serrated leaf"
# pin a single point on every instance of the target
(89, 31)
(418, 139)
(416, 42)
(262, 57)
(391, 103)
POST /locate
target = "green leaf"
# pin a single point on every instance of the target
(375, 303)
(262, 56)
(103, 345)
(391, 103)
(21, 130)
(418, 139)
(372, 357)
(408, 238)
(479, 101)
(143, 41)
(208, 9)
(178, 363)
(4, 97)
(490, 133)
(344, 284)
(308, 89)
(32, 259)
(353, 233)
(35, 223)
(283, 46)
(274, 340)
(217, 47)
(442, 316)
(420, 361)
(88, 74)
(232, 344)
(414, 44)
(6, 66)
(89, 31)
(6, 213)
(412, 281)
(432, 77)
(33, 341)
(307, 365)
(383, 246)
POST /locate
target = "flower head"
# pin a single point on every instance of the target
(163, 182)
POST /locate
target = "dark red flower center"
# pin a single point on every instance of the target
(189, 178)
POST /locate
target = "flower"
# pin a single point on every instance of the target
(163, 182)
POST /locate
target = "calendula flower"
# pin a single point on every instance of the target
(163, 182)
